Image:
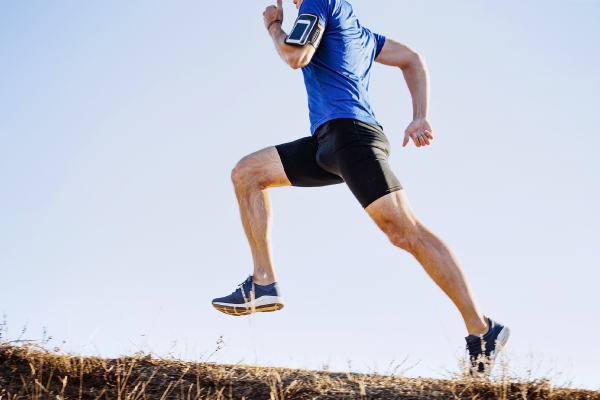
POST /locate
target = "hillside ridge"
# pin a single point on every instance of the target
(29, 371)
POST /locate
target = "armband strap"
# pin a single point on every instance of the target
(306, 30)
(272, 22)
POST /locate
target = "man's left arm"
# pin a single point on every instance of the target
(294, 56)
(413, 67)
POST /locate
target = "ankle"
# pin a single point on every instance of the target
(481, 328)
(263, 281)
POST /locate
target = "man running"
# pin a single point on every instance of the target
(336, 53)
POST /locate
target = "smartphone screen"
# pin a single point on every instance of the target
(299, 30)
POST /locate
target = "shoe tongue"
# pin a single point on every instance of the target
(247, 283)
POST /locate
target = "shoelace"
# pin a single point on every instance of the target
(480, 361)
(476, 347)
(241, 289)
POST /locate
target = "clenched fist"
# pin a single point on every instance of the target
(273, 13)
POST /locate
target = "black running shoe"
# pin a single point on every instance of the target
(484, 349)
(250, 298)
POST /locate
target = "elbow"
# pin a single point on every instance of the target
(296, 62)
(297, 65)
(298, 58)
(415, 60)
(418, 60)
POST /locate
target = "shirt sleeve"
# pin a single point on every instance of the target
(316, 7)
(380, 40)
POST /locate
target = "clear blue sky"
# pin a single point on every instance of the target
(120, 123)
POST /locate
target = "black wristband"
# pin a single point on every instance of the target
(272, 22)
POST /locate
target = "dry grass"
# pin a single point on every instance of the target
(31, 372)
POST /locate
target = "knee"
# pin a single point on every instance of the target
(406, 238)
(240, 174)
(245, 174)
(400, 239)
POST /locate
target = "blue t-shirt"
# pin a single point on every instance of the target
(337, 78)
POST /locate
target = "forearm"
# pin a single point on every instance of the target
(278, 36)
(396, 54)
(417, 80)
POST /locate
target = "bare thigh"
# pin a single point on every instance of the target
(263, 168)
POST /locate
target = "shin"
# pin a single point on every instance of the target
(252, 177)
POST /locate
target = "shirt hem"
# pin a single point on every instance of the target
(369, 119)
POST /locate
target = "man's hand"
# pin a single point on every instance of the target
(419, 131)
(273, 13)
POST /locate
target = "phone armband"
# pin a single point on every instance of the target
(306, 30)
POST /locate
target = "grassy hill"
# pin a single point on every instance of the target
(31, 372)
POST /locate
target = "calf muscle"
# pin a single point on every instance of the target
(252, 177)
(393, 215)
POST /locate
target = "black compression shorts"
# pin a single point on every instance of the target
(342, 150)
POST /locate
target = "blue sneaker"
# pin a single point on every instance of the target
(484, 349)
(250, 298)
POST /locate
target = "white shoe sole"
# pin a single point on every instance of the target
(501, 341)
(262, 304)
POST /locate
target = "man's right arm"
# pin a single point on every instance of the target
(413, 67)
(294, 56)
